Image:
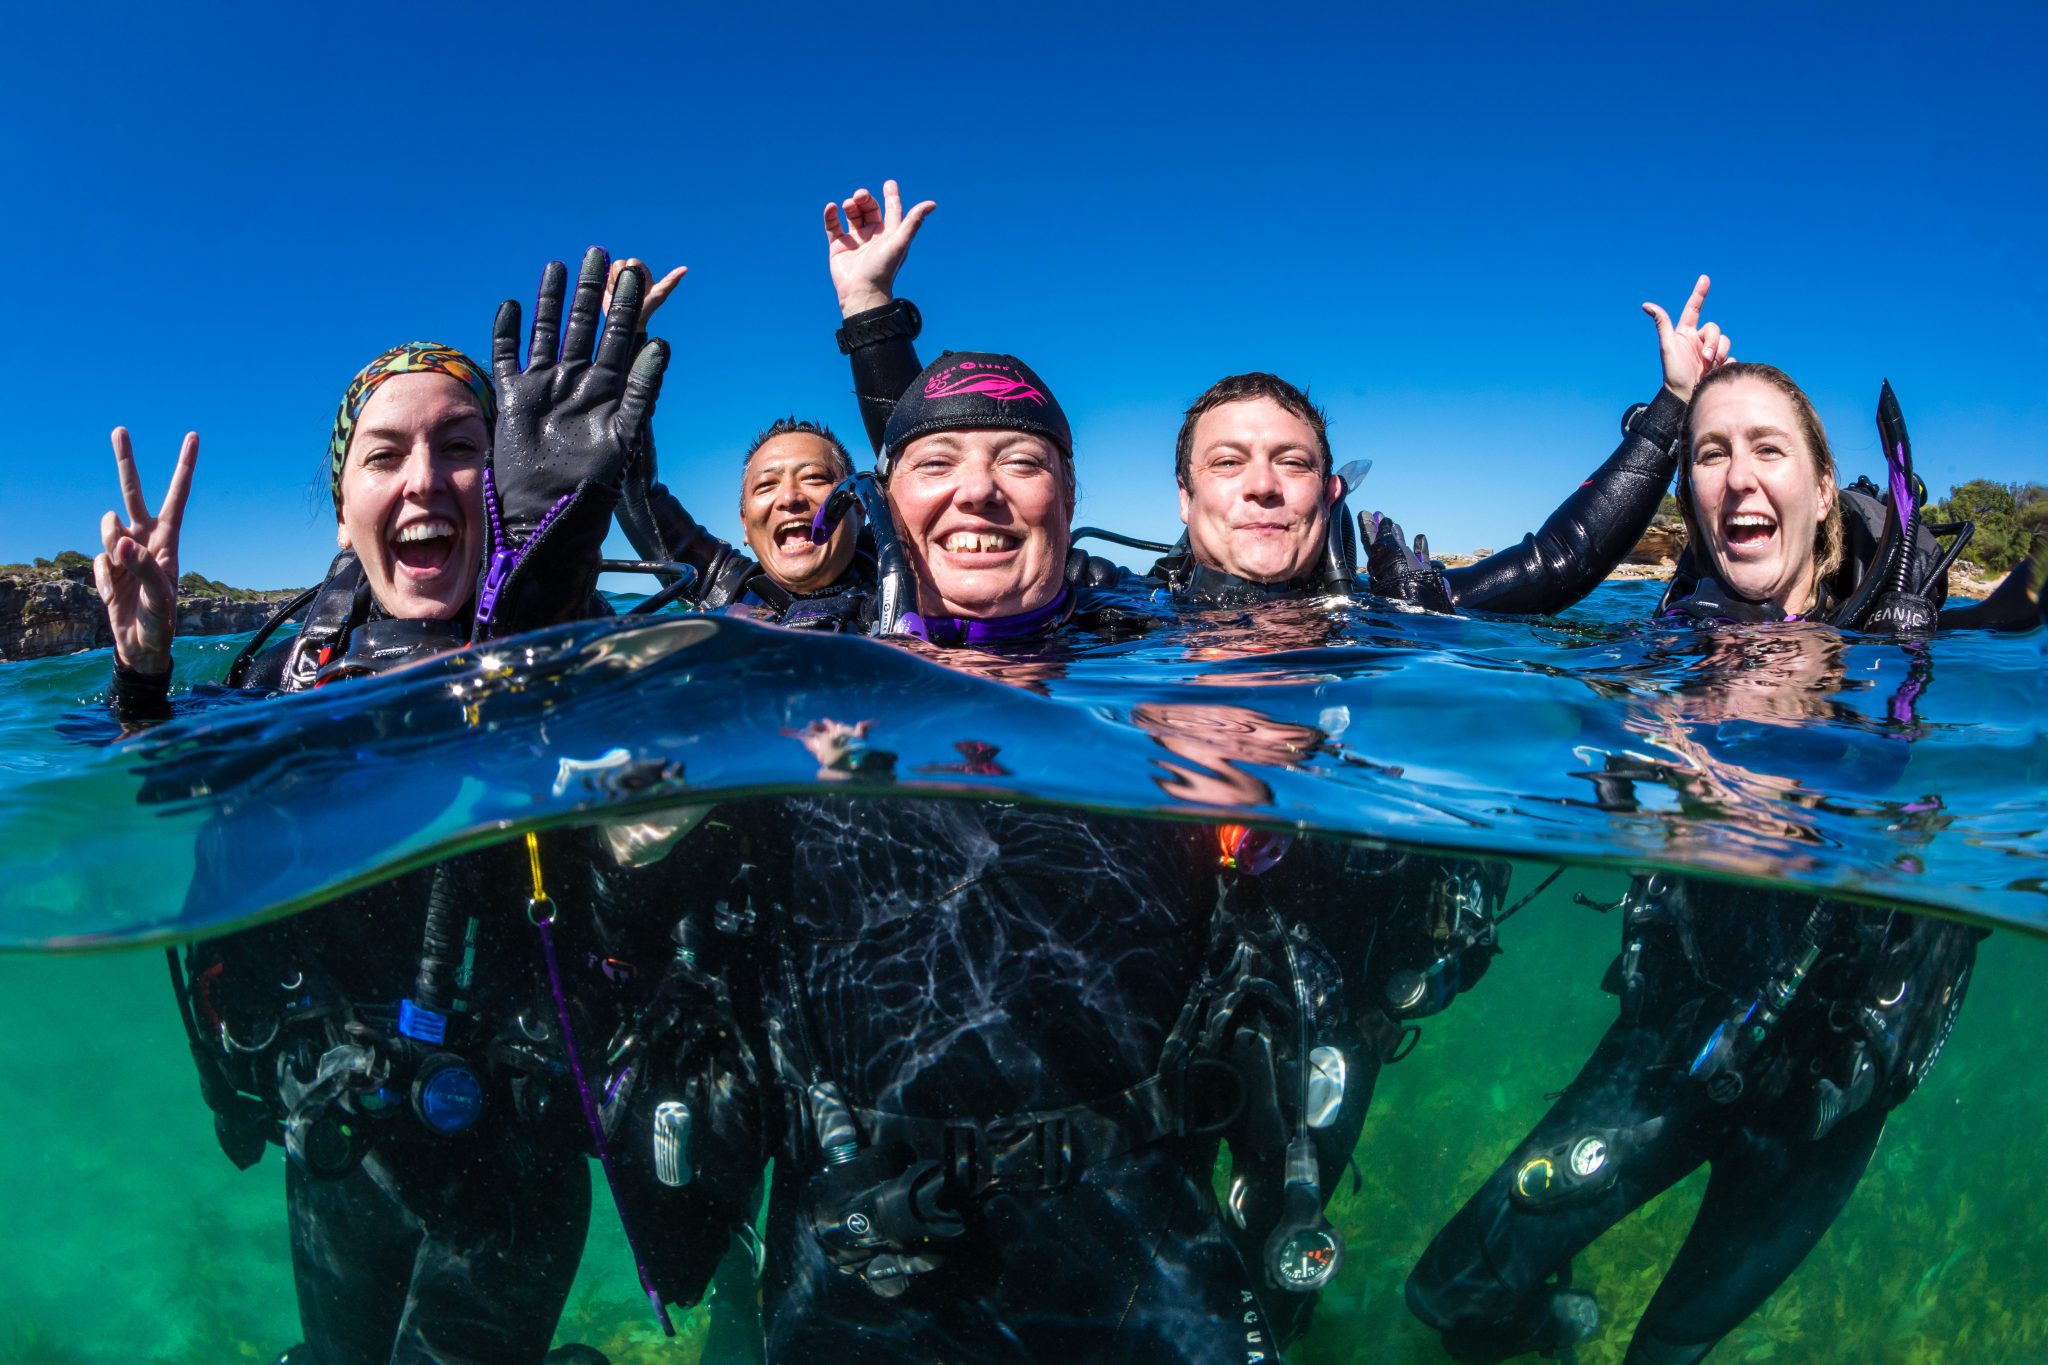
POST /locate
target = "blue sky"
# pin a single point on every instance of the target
(1442, 219)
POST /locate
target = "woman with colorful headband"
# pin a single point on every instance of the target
(436, 1182)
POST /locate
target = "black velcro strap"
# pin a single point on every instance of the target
(896, 318)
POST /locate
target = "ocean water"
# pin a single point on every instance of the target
(1888, 774)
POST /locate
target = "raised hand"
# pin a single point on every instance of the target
(1690, 352)
(573, 414)
(568, 425)
(657, 293)
(137, 572)
(866, 245)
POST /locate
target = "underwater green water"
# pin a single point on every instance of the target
(130, 1238)
(1794, 757)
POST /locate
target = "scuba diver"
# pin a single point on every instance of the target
(1264, 507)
(789, 470)
(1767, 1032)
(412, 1046)
(1771, 536)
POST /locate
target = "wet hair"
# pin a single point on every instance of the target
(842, 463)
(1241, 388)
(1829, 537)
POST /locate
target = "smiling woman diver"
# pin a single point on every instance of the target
(1771, 535)
(437, 1193)
(1767, 1032)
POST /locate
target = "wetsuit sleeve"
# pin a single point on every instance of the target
(139, 698)
(661, 528)
(882, 344)
(1587, 536)
(2018, 603)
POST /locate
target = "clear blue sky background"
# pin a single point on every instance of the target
(1442, 218)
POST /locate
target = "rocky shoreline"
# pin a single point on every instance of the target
(45, 615)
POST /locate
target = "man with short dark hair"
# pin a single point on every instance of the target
(791, 468)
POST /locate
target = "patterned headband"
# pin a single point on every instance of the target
(414, 357)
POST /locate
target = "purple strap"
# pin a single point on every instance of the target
(963, 630)
(596, 1125)
(1901, 709)
(504, 559)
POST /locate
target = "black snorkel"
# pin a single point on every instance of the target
(895, 587)
(1884, 600)
(1340, 548)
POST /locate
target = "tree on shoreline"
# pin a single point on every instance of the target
(2008, 517)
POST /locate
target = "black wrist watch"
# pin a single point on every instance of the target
(896, 318)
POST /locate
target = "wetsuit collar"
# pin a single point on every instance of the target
(1214, 585)
(1713, 600)
(961, 630)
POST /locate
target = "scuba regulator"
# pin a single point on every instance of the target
(333, 1118)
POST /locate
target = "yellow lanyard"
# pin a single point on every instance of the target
(540, 909)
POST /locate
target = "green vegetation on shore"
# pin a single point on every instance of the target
(2008, 515)
(69, 563)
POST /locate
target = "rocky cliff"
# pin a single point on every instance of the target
(62, 615)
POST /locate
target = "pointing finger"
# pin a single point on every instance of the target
(892, 204)
(1691, 316)
(660, 290)
(131, 482)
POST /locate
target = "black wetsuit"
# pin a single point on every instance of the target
(1787, 1148)
(987, 985)
(1570, 555)
(1863, 1000)
(431, 1247)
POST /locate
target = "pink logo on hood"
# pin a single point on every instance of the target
(972, 376)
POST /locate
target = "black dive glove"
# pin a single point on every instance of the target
(1397, 572)
(567, 428)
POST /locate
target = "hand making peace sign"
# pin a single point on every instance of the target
(137, 573)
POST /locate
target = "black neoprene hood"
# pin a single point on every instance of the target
(976, 390)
